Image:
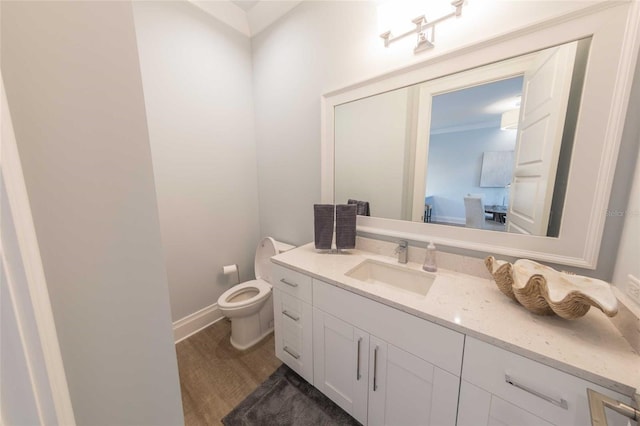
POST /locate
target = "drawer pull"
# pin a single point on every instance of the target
(282, 280)
(562, 403)
(375, 369)
(358, 376)
(291, 352)
(290, 315)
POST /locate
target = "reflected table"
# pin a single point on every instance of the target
(499, 212)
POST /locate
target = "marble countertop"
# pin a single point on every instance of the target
(590, 347)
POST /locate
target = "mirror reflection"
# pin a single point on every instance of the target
(487, 148)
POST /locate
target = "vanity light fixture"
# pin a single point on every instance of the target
(424, 30)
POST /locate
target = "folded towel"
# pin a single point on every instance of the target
(346, 226)
(323, 225)
(362, 207)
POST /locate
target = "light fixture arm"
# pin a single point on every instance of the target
(425, 38)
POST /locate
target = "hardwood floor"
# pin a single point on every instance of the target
(215, 377)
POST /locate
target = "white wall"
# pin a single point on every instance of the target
(451, 176)
(73, 83)
(371, 141)
(296, 60)
(196, 74)
(627, 209)
(322, 46)
(627, 259)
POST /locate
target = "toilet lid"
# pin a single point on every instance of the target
(266, 249)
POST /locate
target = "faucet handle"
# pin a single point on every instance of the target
(402, 245)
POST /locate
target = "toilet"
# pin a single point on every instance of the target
(249, 305)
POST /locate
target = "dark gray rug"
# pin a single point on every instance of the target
(287, 399)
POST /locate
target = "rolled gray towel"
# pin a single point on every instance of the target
(363, 207)
(346, 226)
(323, 225)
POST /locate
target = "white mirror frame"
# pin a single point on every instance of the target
(615, 31)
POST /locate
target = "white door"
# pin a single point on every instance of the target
(475, 77)
(33, 387)
(542, 112)
(341, 362)
(406, 390)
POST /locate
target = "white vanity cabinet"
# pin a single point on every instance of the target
(377, 382)
(381, 365)
(387, 367)
(293, 320)
(501, 388)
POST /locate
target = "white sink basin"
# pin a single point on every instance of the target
(393, 276)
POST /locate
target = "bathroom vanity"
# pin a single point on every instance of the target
(453, 350)
(392, 344)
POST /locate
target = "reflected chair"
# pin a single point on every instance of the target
(474, 212)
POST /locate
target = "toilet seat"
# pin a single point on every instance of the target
(263, 288)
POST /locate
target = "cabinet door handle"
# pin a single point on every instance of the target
(375, 369)
(290, 315)
(282, 280)
(562, 403)
(291, 352)
(358, 360)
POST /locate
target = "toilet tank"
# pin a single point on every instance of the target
(267, 248)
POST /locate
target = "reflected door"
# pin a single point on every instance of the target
(477, 111)
(542, 114)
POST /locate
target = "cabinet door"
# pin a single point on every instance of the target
(407, 390)
(481, 408)
(341, 363)
(293, 333)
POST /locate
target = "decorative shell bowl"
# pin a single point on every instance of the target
(545, 291)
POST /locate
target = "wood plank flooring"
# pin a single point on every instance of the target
(215, 377)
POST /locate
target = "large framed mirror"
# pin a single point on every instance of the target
(507, 147)
(487, 148)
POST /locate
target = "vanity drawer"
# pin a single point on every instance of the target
(291, 282)
(291, 309)
(557, 397)
(293, 333)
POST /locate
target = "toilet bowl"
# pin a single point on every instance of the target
(249, 305)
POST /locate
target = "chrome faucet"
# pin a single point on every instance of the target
(402, 250)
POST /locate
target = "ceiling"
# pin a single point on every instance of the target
(475, 107)
(248, 17)
(245, 5)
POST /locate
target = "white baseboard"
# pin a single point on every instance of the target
(195, 322)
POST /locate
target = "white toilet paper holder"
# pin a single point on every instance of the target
(231, 269)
